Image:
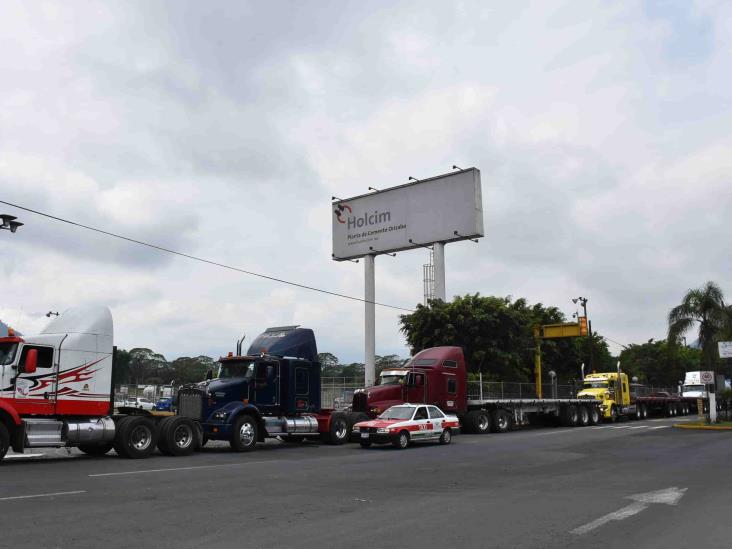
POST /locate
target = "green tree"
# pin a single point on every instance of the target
(703, 307)
(657, 363)
(146, 366)
(190, 369)
(388, 362)
(121, 372)
(496, 334)
(330, 365)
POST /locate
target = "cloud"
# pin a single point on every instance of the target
(600, 131)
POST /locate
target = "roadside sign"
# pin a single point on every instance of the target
(551, 331)
(706, 377)
(725, 349)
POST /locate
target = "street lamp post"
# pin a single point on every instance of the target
(9, 223)
(583, 301)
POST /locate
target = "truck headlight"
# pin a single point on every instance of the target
(220, 415)
(382, 430)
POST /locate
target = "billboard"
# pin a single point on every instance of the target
(446, 208)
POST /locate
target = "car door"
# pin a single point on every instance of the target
(437, 418)
(422, 425)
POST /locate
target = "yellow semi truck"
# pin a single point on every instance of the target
(618, 400)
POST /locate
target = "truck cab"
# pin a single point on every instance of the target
(603, 387)
(433, 376)
(271, 391)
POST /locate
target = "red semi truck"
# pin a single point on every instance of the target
(438, 376)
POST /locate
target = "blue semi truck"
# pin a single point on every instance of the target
(271, 391)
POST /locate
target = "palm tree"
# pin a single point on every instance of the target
(706, 307)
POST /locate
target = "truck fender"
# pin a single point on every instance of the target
(8, 411)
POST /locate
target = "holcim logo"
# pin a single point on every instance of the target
(339, 210)
(365, 220)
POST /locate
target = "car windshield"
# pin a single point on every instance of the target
(236, 369)
(398, 412)
(7, 353)
(595, 384)
(693, 388)
(391, 379)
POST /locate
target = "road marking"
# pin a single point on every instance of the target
(620, 427)
(638, 427)
(44, 495)
(668, 496)
(659, 427)
(16, 456)
(148, 471)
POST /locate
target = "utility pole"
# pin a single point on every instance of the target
(583, 301)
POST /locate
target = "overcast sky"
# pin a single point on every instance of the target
(221, 129)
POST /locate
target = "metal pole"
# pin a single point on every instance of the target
(369, 321)
(439, 258)
(480, 374)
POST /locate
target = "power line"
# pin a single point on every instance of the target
(200, 259)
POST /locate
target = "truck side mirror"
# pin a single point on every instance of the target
(31, 362)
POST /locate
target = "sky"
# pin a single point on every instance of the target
(222, 129)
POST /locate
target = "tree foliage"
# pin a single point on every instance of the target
(496, 334)
(703, 308)
(659, 364)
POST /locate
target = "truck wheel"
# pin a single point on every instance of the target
(402, 441)
(613, 414)
(177, 436)
(594, 415)
(644, 411)
(584, 416)
(117, 442)
(365, 444)
(4, 440)
(96, 449)
(244, 434)
(501, 421)
(136, 438)
(639, 412)
(339, 430)
(478, 422)
(570, 416)
(446, 437)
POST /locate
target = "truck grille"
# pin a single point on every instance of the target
(360, 401)
(190, 403)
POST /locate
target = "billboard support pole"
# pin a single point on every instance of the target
(370, 320)
(439, 259)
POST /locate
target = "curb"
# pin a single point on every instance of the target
(702, 427)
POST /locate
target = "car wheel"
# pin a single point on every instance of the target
(402, 440)
(446, 437)
(244, 434)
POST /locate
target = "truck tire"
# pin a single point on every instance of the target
(614, 414)
(570, 416)
(402, 441)
(639, 412)
(478, 422)
(500, 421)
(4, 440)
(117, 442)
(96, 449)
(136, 438)
(244, 434)
(446, 437)
(594, 415)
(584, 416)
(178, 436)
(644, 410)
(339, 430)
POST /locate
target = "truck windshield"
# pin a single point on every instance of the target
(236, 369)
(595, 384)
(7, 353)
(391, 379)
(398, 412)
(689, 388)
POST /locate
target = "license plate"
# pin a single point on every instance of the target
(364, 435)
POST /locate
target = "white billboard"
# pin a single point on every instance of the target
(445, 208)
(725, 349)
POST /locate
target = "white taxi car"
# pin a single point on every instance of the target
(406, 423)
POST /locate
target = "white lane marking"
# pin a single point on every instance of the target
(599, 427)
(44, 495)
(638, 427)
(148, 471)
(668, 496)
(620, 427)
(16, 456)
(556, 432)
(659, 427)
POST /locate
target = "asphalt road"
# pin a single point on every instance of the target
(558, 487)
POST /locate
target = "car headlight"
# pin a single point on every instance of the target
(356, 429)
(382, 430)
(220, 415)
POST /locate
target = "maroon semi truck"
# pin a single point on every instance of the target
(438, 376)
